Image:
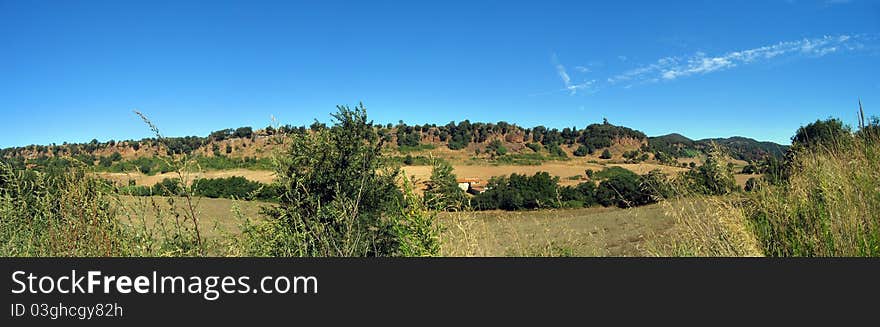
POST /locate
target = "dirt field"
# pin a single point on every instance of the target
(742, 178)
(263, 176)
(561, 169)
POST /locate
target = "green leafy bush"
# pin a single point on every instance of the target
(519, 192)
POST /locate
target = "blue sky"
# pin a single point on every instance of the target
(75, 70)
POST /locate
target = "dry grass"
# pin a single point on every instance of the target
(829, 207)
(706, 227)
(741, 179)
(594, 231)
(221, 217)
(263, 176)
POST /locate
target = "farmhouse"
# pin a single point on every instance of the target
(471, 185)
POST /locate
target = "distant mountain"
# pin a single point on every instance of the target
(748, 149)
(739, 147)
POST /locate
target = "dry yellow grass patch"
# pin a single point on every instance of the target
(263, 176)
(593, 231)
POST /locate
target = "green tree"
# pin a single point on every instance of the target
(115, 156)
(243, 132)
(519, 192)
(442, 192)
(581, 151)
(623, 190)
(605, 154)
(336, 189)
(828, 133)
(413, 227)
(104, 162)
(713, 177)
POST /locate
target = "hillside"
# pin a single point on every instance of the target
(738, 147)
(500, 142)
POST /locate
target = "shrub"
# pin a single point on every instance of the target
(751, 184)
(581, 151)
(442, 192)
(556, 151)
(168, 187)
(336, 189)
(657, 185)
(496, 148)
(535, 146)
(827, 133)
(582, 195)
(235, 187)
(623, 190)
(605, 154)
(712, 177)
(414, 229)
(519, 192)
(65, 214)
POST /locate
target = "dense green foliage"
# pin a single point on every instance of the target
(617, 187)
(234, 187)
(712, 177)
(822, 133)
(442, 191)
(678, 146)
(519, 192)
(71, 213)
(623, 190)
(582, 151)
(339, 197)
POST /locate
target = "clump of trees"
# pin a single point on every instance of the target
(518, 192)
(235, 187)
(822, 133)
(617, 187)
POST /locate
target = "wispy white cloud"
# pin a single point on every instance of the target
(675, 67)
(572, 88)
(671, 68)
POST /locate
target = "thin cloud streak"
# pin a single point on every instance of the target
(671, 68)
(566, 79)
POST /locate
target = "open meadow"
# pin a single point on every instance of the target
(597, 231)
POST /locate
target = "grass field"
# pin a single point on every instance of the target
(216, 216)
(596, 231)
(593, 231)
